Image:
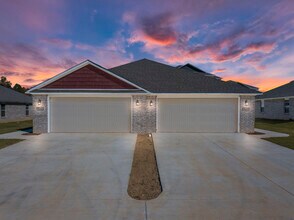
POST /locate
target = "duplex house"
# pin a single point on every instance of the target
(277, 103)
(14, 105)
(141, 96)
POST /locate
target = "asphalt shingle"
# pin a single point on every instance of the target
(10, 96)
(161, 78)
(281, 91)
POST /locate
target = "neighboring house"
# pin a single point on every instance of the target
(277, 103)
(141, 96)
(14, 105)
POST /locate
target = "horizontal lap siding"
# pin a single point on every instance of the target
(89, 77)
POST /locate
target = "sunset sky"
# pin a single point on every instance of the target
(247, 41)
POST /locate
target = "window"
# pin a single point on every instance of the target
(286, 106)
(27, 110)
(2, 110)
(262, 106)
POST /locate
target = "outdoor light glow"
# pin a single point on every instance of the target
(137, 102)
(39, 102)
(151, 103)
(246, 102)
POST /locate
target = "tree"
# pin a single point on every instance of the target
(19, 88)
(5, 82)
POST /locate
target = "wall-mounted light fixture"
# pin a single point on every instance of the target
(137, 102)
(39, 102)
(246, 103)
(151, 103)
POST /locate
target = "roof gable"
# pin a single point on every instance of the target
(87, 76)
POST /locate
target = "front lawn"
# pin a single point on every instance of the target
(278, 126)
(6, 142)
(14, 126)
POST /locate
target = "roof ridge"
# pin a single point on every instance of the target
(279, 86)
(146, 59)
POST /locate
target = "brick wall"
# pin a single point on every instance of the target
(247, 114)
(15, 112)
(40, 112)
(144, 115)
(274, 109)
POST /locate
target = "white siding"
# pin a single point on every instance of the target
(198, 115)
(83, 114)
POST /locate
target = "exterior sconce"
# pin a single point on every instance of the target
(246, 103)
(39, 102)
(151, 103)
(137, 102)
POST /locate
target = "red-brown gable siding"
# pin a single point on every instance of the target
(89, 77)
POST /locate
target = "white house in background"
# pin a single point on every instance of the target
(141, 96)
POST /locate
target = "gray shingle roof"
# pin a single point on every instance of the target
(282, 91)
(10, 96)
(160, 78)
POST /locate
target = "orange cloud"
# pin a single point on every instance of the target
(220, 70)
(264, 84)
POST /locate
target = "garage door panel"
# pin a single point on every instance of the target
(197, 115)
(90, 114)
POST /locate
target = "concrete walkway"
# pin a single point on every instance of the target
(68, 176)
(267, 134)
(222, 176)
(17, 135)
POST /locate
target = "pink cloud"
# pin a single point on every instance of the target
(219, 70)
(34, 63)
(35, 15)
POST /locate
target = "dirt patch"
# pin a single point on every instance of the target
(144, 182)
(31, 134)
(255, 133)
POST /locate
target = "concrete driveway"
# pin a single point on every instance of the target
(68, 176)
(222, 176)
(204, 176)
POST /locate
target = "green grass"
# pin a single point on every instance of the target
(278, 126)
(14, 126)
(6, 142)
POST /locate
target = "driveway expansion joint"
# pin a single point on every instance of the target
(255, 170)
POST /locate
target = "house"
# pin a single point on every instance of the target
(14, 105)
(141, 96)
(277, 103)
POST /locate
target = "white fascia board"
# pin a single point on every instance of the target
(54, 89)
(284, 97)
(201, 95)
(87, 62)
(113, 95)
(159, 95)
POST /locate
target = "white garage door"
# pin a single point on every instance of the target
(197, 115)
(83, 114)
